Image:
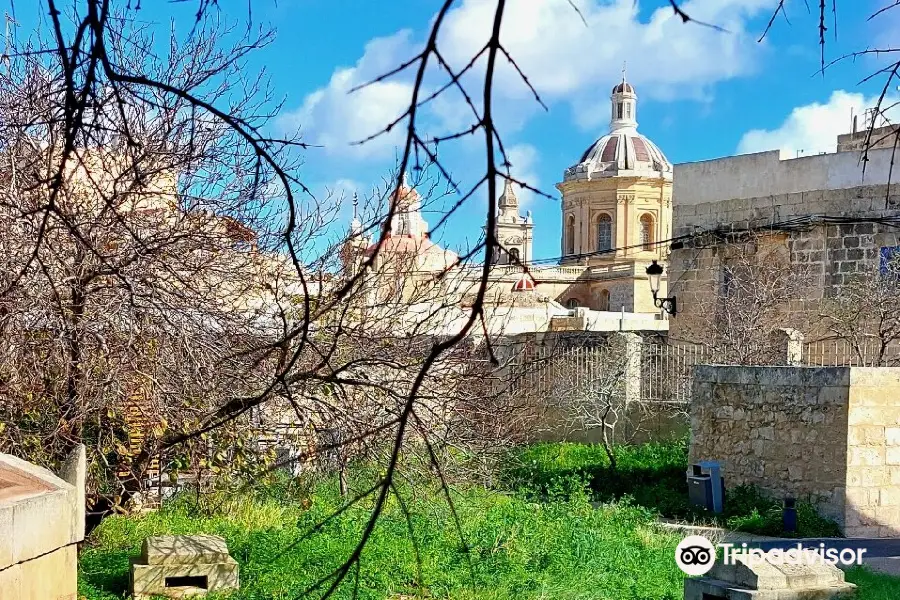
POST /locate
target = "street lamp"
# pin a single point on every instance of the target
(654, 271)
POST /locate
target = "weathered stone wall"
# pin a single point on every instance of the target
(41, 523)
(828, 255)
(762, 211)
(827, 434)
(782, 429)
(767, 174)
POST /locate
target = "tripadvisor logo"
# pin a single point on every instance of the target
(696, 555)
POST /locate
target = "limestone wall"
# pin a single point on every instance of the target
(828, 255)
(827, 434)
(873, 441)
(781, 429)
(765, 209)
(768, 174)
(42, 521)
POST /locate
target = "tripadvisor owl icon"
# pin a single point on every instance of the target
(695, 555)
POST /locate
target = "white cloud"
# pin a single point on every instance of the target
(523, 160)
(565, 60)
(812, 128)
(335, 117)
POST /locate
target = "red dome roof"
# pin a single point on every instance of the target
(524, 284)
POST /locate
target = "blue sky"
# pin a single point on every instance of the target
(702, 93)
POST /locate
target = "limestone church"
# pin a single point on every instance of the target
(616, 216)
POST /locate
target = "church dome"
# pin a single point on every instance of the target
(623, 88)
(623, 151)
(618, 153)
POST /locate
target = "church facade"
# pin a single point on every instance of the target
(616, 219)
(616, 213)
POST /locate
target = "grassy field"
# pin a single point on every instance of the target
(542, 539)
(652, 476)
(516, 549)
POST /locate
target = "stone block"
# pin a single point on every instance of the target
(860, 497)
(892, 457)
(867, 456)
(74, 472)
(866, 477)
(39, 528)
(11, 583)
(179, 566)
(41, 524)
(887, 515)
(866, 435)
(50, 577)
(749, 579)
(6, 524)
(892, 436)
(889, 496)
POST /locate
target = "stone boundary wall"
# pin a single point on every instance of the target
(765, 174)
(781, 429)
(830, 435)
(764, 210)
(41, 524)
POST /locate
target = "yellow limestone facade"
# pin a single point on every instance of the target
(616, 219)
(616, 213)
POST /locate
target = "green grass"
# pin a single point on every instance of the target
(652, 476)
(873, 586)
(517, 549)
(548, 539)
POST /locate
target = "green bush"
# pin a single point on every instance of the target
(649, 475)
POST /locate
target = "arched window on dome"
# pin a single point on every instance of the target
(647, 232)
(603, 300)
(572, 303)
(604, 233)
(570, 234)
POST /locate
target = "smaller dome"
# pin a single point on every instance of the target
(524, 284)
(429, 256)
(623, 88)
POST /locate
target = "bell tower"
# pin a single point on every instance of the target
(514, 231)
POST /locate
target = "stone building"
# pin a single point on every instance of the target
(416, 284)
(513, 230)
(616, 205)
(823, 216)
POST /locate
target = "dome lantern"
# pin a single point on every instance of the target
(623, 107)
(623, 151)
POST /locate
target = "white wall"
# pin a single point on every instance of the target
(766, 173)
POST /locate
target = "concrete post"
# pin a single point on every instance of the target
(632, 347)
(790, 346)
